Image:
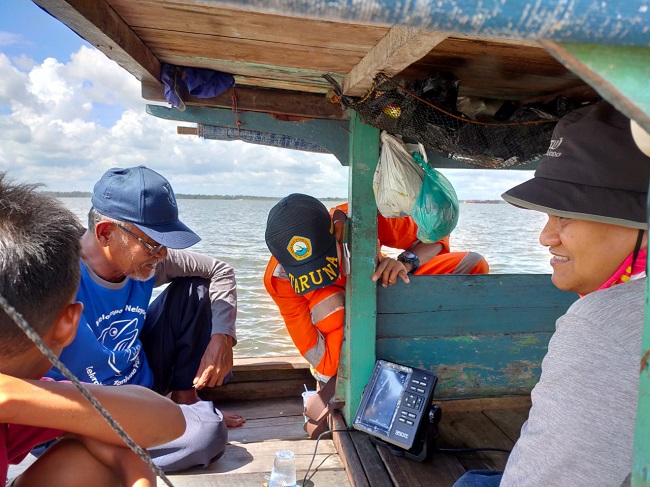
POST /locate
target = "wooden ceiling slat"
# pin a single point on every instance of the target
(96, 22)
(204, 19)
(165, 43)
(310, 80)
(260, 100)
(401, 47)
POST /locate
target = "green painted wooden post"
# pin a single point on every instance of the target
(618, 73)
(358, 354)
(641, 465)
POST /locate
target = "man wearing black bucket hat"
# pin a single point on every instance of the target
(179, 343)
(593, 184)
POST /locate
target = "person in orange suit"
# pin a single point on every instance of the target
(306, 273)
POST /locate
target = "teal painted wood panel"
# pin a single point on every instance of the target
(332, 135)
(613, 22)
(470, 305)
(473, 366)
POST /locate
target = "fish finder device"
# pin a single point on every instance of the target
(396, 409)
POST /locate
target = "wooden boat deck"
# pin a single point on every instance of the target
(350, 458)
(345, 458)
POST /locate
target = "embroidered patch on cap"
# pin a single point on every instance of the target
(299, 247)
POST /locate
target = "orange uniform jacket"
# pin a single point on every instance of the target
(315, 319)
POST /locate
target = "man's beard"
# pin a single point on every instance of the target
(146, 272)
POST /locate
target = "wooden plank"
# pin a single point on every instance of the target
(398, 49)
(447, 305)
(253, 390)
(618, 73)
(485, 403)
(461, 429)
(190, 45)
(320, 478)
(97, 23)
(576, 21)
(496, 69)
(260, 75)
(279, 428)
(438, 471)
(205, 19)
(509, 420)
(469, 366)
(258, 457)
(268, 407)
(259, 100)
(329, 134)
(278, 362)
(347, 452)
(360, 293)
(373, 465)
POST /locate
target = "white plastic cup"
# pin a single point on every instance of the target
(284, 470)
(305, 397)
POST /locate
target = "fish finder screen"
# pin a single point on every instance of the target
(384, 398)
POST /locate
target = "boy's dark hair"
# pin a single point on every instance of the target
(39, 260)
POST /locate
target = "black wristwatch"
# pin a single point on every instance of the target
(409, 257)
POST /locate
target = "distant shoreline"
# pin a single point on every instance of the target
(181, 196)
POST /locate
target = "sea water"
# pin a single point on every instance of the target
(233, 231)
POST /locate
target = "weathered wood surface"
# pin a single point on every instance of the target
(481, 335)
(262, 377)
(272, 424)
(475, 423)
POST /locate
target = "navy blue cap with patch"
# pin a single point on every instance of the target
(300, 235)
(145, 198)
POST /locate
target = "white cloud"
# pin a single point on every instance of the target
(65, 123)
(9, 39)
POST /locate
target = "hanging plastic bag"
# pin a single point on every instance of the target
(397, 179)
(436, 208)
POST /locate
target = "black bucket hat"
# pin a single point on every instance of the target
(300, 235)
(593, 170)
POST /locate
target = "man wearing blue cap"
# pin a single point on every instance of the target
(593, 185)
(182, 341)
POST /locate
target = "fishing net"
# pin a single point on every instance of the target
(425, 111)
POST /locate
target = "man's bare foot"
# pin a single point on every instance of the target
(188, 396)
(233, 420)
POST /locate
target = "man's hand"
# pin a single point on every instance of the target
(216, 362)
(388, 270)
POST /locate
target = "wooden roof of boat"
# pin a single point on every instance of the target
(278, 59)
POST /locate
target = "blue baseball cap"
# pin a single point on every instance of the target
(143, 197)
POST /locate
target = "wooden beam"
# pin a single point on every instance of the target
(618, 73)
(397, 50)
(96, 22)
(286, 102)
(180, 130)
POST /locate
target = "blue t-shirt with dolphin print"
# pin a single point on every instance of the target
(107, 349)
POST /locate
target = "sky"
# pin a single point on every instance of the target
(68, 113)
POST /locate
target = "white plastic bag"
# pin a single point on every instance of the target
(397, 179)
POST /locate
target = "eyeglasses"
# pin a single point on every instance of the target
(152, 250)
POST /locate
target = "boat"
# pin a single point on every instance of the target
(469, 331)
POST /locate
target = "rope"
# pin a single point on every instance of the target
(235, 110)
(33, 336)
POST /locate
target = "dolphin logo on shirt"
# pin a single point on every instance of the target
(120, 337)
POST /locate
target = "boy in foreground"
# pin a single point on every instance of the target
(39, 275)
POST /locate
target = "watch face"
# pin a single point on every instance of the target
(409, 255)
